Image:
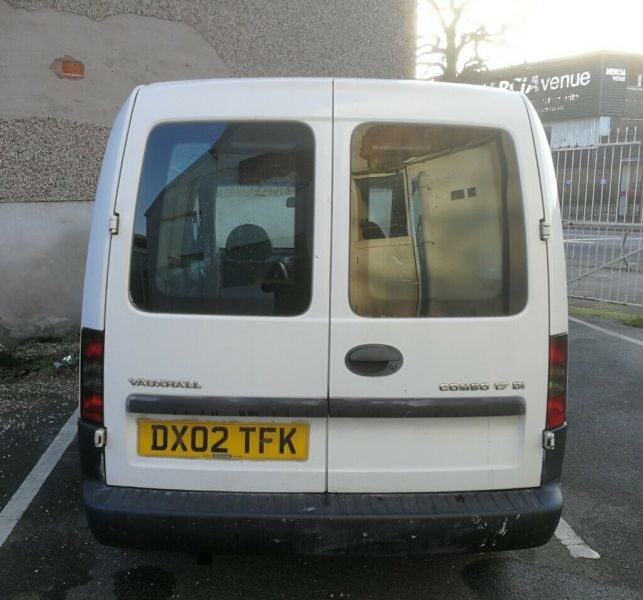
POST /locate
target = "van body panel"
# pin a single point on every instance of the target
(420, 454)
(226, 355)
(95, 286)
(558, 322)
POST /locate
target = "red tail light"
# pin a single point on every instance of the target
(91, 375)
(557, 389)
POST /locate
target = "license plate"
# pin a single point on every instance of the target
(227, 440)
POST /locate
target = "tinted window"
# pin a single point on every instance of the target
(436, 222)
(224, 219)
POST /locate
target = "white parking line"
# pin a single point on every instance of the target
(27, 491)
(591, 240)
(607, 331)
(573, 542)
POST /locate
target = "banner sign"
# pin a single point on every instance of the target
(588, 86)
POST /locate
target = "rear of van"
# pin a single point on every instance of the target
(324, 316)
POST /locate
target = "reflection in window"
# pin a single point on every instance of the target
(384, 207)
(436, 222)
(224, 219)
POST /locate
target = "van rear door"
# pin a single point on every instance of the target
(439, 302)
(216, 342)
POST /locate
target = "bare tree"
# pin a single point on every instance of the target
(455, 53)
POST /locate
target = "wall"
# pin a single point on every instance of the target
(42, 261)
(578, 132)
(53, 131)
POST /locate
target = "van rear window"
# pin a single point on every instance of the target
(437, 227)
(224, 219)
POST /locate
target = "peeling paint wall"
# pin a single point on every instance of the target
(273, 38)
(53, 130)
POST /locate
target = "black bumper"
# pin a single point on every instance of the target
(224, 522)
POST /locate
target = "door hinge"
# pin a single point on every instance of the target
(100, 437)
(114, 221)
(545, 229)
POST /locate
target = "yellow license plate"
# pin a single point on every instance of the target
(227, 440)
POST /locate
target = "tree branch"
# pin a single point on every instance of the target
(438, 11)
(432, 47)
(453, 45)
(428, 65)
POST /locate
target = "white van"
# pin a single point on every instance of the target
(324, 316)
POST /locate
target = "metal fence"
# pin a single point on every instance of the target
(600, 188)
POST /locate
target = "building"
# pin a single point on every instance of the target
(581, 100)
(591, 107)
(65, 67)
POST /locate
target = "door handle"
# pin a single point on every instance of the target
(374, 360)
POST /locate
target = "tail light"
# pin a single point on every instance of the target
(92, 346)
(557, 388)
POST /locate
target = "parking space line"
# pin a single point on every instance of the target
(592, 239)
(28, 489)
(607, 331)
(573, 542)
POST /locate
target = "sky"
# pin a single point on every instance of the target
(544, 29)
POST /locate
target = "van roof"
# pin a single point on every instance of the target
(389, 85)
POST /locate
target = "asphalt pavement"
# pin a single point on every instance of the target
(51, 554)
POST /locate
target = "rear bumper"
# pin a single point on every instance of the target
(225, 522)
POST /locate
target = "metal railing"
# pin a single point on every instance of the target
(600, 189)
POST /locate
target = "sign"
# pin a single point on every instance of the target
(588, 86)
(557, 91)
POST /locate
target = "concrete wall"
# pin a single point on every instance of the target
(53, 131)
(42, 259)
